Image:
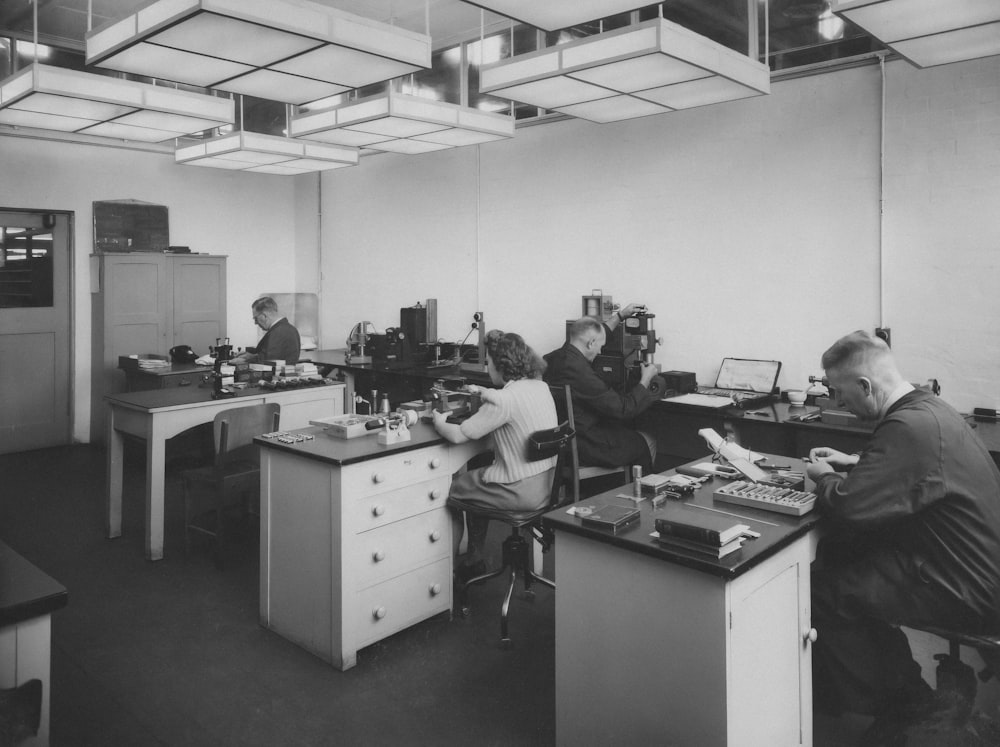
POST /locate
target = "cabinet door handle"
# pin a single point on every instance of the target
(378, 556)
(378, 510)
(378, 613)
(378, 477)
(434, 589)
(435, 535)
(435, 463)
(435, 494)
(810, 636)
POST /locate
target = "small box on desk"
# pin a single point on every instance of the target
(681, 382)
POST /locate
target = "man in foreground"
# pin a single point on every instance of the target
(914, 539)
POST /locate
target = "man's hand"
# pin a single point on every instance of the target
(837, 460)
(815, 470)
(648, 372)
(629, 310)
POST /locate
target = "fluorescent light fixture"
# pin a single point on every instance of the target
(294, 51)
(55, 98)
(929, 32)
(401, 123)
(553, 15)
(651, 67)
(265, 154)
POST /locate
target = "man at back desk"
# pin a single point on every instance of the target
(281, 340)
(914, 539)
(606, 436)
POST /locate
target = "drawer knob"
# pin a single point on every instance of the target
(378, 556)
(810, 635)
(378, 613)
(378, 510)
(435, 494)
(435, 463)
(434, 589)
(378, 477)
(435, 535)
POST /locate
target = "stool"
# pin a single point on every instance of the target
(954, 675)
(517, 550)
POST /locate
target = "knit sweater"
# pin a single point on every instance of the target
(512, 414)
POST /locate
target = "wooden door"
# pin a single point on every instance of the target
(35, 299)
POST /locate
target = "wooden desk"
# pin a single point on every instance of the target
(355, 538)
(667, 648)
(159, 414)
(28, 597)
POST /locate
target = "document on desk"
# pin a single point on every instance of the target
(700, 400)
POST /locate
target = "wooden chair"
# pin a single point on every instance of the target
(235, 471)
(517, 551)
(563, 397)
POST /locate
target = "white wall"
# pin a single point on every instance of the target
(750, 228)
(250, 218)
(942, 220)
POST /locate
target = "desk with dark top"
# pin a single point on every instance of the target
(175, 375)
(28, 597)
(665, 646)
(766, 429)
(402, 382)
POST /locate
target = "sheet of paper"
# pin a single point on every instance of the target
(700, 400)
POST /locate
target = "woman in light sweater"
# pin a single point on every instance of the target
(510, 414)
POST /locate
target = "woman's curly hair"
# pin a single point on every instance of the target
(512, 356)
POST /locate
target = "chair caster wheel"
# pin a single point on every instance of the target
(528, 596)
(505, 644)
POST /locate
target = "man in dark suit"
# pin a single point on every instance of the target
(280, 341)
(606, 435)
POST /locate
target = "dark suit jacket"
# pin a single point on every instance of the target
(606, 436)
(280, 343)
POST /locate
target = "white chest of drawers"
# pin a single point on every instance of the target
(355, 538)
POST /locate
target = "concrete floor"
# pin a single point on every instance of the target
(171, 653)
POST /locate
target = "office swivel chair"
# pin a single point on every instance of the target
(234, 473)
(562, 395)
(517, 547)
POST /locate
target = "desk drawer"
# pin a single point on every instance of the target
(394, 549)
(394, 471)
(380, 611)
(378, 510)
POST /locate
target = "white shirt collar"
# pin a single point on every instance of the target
(897, 394)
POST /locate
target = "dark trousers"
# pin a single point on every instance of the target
(862, 590)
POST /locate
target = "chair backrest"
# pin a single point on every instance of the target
(558, 442)
(236, 429)
(562, 395)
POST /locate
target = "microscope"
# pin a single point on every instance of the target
(630, 344)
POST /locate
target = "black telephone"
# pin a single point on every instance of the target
(183, 354)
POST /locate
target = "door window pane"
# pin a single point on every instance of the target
(25, 267)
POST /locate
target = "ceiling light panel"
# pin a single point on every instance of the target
(402, 123)
(929, 32)
(656, 61)
(251, 151)
(552, 15)
(613, 109)
(74, 101)
(293, 51)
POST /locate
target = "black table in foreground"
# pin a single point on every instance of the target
(670, 648)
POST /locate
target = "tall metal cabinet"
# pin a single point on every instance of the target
(143, 303)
